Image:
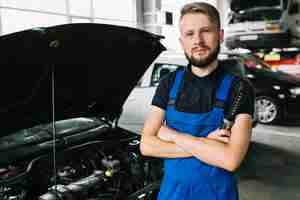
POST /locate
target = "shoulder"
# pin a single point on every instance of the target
(243, 84)
(241, 97)
(239, 79)
(233, 67)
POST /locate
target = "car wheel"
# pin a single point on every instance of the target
(267, 110)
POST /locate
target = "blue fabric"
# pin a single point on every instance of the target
(190, 178)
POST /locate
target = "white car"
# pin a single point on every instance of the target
(258, 27)
(138, 103)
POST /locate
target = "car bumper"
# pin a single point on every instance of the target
(276, 40)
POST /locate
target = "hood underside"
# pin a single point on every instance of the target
(69, 71)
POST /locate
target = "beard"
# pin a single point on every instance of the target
(204, 62)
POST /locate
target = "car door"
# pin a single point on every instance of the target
(138, 103)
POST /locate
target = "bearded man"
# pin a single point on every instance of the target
(188, 109)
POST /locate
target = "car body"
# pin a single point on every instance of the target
(138, 102)
(291, 21)
(255, 27)
(277, 92)
(62, 95)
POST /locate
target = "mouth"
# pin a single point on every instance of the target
(198, 50)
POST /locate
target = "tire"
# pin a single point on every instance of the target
(267, 110)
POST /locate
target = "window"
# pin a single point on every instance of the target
(27, 20)
(114, 9)
(169, 18)
(80, 8)
(58, 6)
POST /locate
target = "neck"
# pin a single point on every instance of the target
(206, 70)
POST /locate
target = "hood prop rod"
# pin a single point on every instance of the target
(53, 124)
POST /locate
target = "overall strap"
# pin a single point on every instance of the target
(175, 87)
(223, 90)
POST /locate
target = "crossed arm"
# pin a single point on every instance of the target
(161, 141)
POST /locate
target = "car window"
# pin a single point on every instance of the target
(160, 70)
(256, 15)
(268, 14)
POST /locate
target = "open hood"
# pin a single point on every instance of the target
(68, 71)
(237, 5)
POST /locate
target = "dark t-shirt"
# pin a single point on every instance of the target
(198, 94)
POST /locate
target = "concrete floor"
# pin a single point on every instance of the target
(271, 170)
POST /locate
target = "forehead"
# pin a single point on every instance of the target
(194, 21)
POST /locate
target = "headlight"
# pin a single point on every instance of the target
(295, 91)
(275, 27)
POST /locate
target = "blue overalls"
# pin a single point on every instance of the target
(189, 178)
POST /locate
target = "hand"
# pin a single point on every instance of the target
(167, 134)
(221, 135)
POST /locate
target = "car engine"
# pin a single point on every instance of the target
(92, 171)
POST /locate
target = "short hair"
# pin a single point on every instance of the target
(204, 8)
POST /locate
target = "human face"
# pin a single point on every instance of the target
(200, 39)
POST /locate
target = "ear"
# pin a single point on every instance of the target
(221, 35)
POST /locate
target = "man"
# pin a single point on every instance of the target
(187, 111)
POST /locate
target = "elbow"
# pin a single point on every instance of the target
(144, 149)
(232, 164)
(231, 167)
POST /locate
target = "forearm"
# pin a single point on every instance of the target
(225, 155)
(210, 151)
(156, 147)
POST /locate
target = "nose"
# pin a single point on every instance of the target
(198, 39)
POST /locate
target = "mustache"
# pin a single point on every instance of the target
(199, 48)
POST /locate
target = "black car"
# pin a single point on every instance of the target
(277, 93)
(62, 91)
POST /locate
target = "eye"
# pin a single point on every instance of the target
(206, 30)
(189, 34)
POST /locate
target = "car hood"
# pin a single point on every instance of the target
(237, 5)
(68, 71)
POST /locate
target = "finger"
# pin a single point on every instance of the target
(224, 133)
(223, 139)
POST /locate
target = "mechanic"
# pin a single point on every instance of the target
(187, 112)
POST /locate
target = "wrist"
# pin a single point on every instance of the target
(179, 137)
